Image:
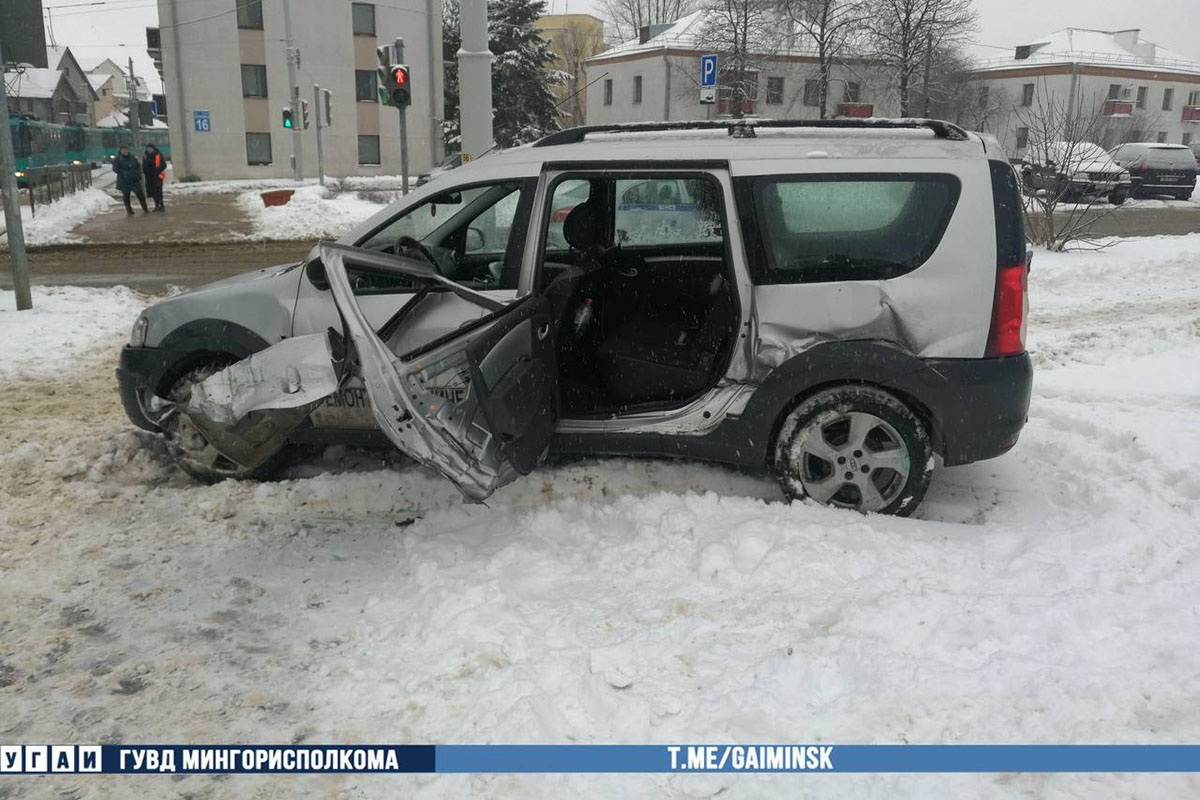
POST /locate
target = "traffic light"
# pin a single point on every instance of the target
(304, 113)
(328, 106)
(287, 119)
(398, 87)
(383, 73)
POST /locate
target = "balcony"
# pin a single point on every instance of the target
(1191, 114)
(1117, 108)
(855, 110)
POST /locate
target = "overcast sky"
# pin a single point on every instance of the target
(116, 28)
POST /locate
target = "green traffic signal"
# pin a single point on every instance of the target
(287, 118)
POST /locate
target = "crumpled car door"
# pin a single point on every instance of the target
(479, 405)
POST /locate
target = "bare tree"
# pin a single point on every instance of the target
(830, 26)
(1061, 142)
(744, 34)
(626, 17)
(907, 33)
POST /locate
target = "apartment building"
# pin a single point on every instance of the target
(1124, 87)
(225, 77)
(656, 77)
(573, 38)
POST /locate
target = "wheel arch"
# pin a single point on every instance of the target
(202, 340)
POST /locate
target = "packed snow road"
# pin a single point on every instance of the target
(1049, 596)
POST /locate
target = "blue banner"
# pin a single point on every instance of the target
(386, 758)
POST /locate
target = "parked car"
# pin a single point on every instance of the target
(452, 161)
(1158, 168)
(1195, 148)
(1073, 171)
(839, 321)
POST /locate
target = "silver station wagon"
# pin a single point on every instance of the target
(842, 303)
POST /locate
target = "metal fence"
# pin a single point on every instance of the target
(47, 184)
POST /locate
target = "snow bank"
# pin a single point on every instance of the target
(53, 223)
(68, 325)
(312, 213)
(1047, 596)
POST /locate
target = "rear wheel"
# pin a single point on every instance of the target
(855, 447)
(192, 452)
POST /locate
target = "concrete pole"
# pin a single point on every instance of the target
(293, 56)
(475, 80)
(135, 119)
(179, 150)
(433, 18)
(12, 204)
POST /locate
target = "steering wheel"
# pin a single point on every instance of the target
(408, 241)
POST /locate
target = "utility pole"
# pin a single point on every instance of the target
(475, 79)
(12, 208)
(320, 111)
(293, 64)
(399, 45)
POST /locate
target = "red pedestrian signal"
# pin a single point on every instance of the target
(398, 87)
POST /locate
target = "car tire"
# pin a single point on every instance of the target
(1184, 196)
(176, 439)
(855, 447)
(1116, 198)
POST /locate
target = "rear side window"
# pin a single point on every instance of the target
(817, 228)
(1010, 222)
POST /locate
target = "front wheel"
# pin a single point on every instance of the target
(855, 447)
(192, 452)
(1117, 197)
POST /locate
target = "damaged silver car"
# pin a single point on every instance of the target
(842, 303)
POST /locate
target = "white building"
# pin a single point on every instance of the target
(656, 77)
(224, 61)
(1137, 90)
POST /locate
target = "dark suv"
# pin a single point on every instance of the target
(1158, 168)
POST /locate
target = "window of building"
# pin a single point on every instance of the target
(1022, 137)
(853, 93)
(368, 150)
(1162, 136)
(983, 90)
(848, 227)
(774, 91)
(1194, 99)
(254, 80)
(1168, 99)
(1027, 94)
(1141, 96)
(812, 92)
(366, 85)
(1114, 91)
(637, 89)
(1187, 138)
(608, 91)
(258, 149)
(249, 14)
(362, 17)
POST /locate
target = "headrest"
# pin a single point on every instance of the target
(581, 227)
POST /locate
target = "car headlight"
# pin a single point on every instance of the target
(1124, 177)
(19, 174)
(138, 337)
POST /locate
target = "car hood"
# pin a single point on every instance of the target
(260, 301)
(1098, 165)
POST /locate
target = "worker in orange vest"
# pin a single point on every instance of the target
(154, 168)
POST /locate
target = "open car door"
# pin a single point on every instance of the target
(478, 405)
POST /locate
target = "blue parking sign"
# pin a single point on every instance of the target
(708, 72)
(201, 122)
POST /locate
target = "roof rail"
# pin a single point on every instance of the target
(744, 128)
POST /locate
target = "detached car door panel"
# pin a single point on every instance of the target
(479, 405)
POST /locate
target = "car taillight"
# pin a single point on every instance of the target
(560, 214)
(1006, 337)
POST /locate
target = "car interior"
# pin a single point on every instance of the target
(645, 286)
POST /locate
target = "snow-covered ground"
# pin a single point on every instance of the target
(312, 213)
(52, 223)
(1048, 596)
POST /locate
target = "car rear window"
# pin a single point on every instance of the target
(817, 228)
(1171, 157)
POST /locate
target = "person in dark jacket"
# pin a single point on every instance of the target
(154, 167)
(129, 179)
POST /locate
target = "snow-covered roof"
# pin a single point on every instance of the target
(1101, 48)
(98, 81)
(687, 33)
(54, 56)
(114, 120)
(35, 82)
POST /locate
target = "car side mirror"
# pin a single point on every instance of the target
(315, 270)
(474, 241)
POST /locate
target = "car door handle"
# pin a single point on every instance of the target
(543, 331)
